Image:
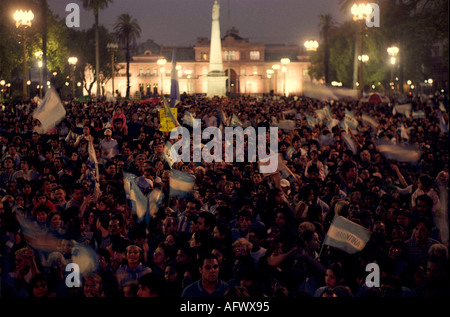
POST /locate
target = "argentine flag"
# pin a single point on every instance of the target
(139, 202)
(235, 122)
(350, 120)
(370, 121)
(404, 109)
(399, 153)
(50, 112)
(442, 125)
(188, 119)
(418, 115)
(181, 184)
(311, 121)
(169, 113)
(346, 235)
(92, 174)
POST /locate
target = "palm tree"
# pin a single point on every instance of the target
(326, 26)
(44, 9)
(127, 31)
(96, 6)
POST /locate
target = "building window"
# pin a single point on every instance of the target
(305, 72)
(254, 55)
(204, 56)
(255, 70)
(148, 72)
(141, 72)
(231, 55)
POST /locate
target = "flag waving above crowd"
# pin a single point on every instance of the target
(50, 112)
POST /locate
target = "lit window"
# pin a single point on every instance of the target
(230, 55)
(141, 72)
(254, 55)
(255, 70)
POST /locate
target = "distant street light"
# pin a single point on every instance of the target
(38, 55)
(393, 52)
(360, 12)
(23, 20)
(188, 73)
(73, 62)
(311, 45)
(112, 47)
(161, 62)
(276, 68)
(363, 58)
(269, 73)
(285, 62)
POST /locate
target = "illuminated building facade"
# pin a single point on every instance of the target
(252, 67)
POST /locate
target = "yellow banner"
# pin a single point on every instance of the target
(166, 122)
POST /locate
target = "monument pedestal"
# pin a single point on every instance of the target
(217, 84)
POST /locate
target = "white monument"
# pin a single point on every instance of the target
(216, 76)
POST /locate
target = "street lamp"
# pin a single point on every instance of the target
(311, 45)
(363, 58)
(360, 13)
(269, 73)
(23, 20)
(188, 73)
(73, 62)
(393, 52)
(285, 62)
(2, 83)
(161, 62)
(112, 47)
(38, 55)
(276, 68)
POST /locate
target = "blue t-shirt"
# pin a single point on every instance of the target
(196, 290)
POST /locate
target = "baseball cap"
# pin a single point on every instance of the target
(108, 132)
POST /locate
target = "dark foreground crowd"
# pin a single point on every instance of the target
(239, 233)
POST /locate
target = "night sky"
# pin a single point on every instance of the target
(180, 22)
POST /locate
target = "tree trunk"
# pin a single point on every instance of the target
(128, 68)
(327, 63)
(97, 55)
(44, 40)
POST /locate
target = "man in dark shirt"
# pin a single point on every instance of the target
(209, 285)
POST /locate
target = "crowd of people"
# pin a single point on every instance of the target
(240, 232)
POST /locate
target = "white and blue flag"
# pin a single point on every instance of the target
(188, 119)
(442, 125)
(350, 120)
(235, 122)
(400, 153)
(139, 202)
(420, 114)
(370, 121)
(50, 112)
(346, 235)
(181, 184)
(92, 174)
